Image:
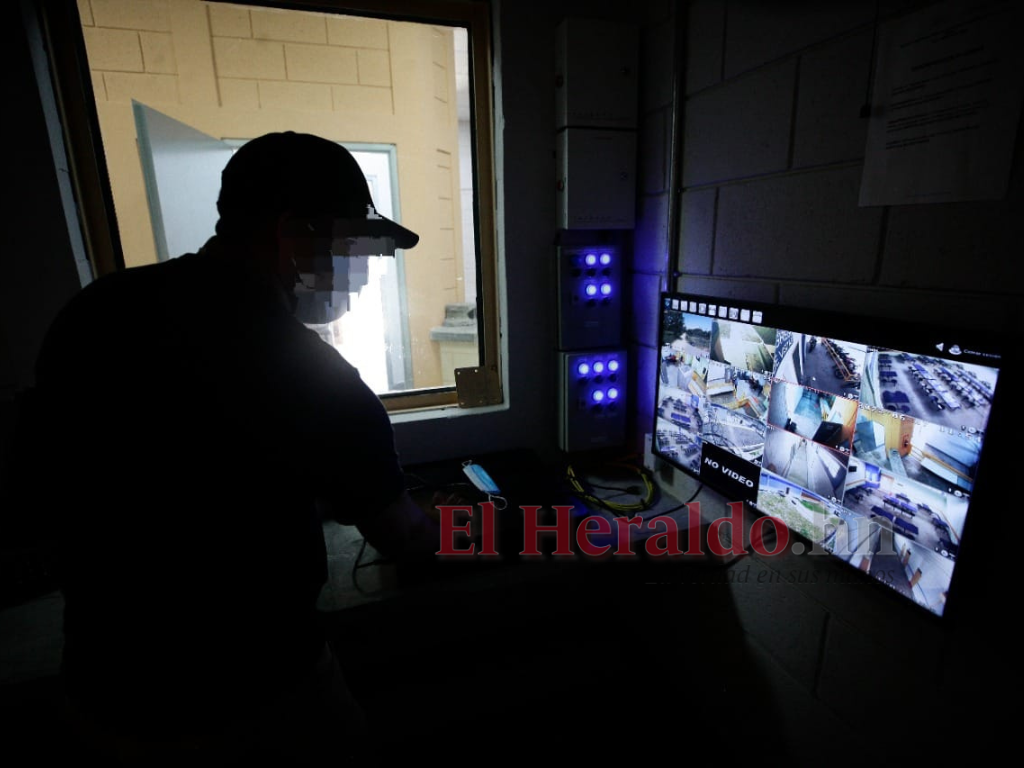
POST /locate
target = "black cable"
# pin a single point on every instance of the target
(865, 110)
(355, 567)
(581, 489)
(422, 483)
(635, 490)
(695, 493)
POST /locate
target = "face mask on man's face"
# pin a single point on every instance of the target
(329, 263)
(319, 307)
(325, 287)
(321, 288)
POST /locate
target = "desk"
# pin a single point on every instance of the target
(524, 481)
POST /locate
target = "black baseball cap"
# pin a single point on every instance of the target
(312, 178)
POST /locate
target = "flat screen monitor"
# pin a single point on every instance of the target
(863, 435)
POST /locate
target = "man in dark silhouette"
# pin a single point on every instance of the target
(198, 434)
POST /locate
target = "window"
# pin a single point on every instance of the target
(160, 92)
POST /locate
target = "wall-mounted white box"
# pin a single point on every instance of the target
(596, 74)
(596, 185)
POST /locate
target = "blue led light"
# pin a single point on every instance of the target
(606, 288)
(613, 365)
(613, 393)
(591, 290)
(590, 259)
(598, 395)
(582, 369)
(606, 259)
(598, 367)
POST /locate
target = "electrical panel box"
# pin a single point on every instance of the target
(596, 74)
(589, 297)
(596, 89)
(592, 410)
(596, 186)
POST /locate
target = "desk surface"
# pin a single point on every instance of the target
(358, 575)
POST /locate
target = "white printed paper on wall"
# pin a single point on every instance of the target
(946, 99)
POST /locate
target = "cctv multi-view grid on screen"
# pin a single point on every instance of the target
(870, 451)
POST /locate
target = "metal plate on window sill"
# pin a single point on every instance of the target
(477, 386)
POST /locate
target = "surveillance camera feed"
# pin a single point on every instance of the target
(868, 451)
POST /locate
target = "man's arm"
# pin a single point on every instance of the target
(402, 530)
(368, 471)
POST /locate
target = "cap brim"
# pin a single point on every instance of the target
(371, 237)
(382, 228)
(376, 236)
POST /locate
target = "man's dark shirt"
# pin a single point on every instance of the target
(189, 423)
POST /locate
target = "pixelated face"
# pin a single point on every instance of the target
(325, 259)
(318, 272)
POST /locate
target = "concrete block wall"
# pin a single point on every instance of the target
(263, 58)
(771, 155)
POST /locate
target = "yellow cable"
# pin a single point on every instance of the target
(637, 506)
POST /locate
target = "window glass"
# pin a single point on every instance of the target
(179, 84)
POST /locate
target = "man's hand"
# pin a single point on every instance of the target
(449, 498)
(402, 530)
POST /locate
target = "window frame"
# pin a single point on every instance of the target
(478, 387)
